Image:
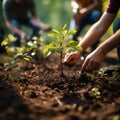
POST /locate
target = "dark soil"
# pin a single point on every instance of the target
(40, 93)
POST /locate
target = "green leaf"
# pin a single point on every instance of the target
(71, 32)
(64, 32)
(71, 50)
(78, 48)
(26, 58)
(52, 35)
(59, 49)
(64, 27)
(55, 31)
(11, 38)
(4, 42)
(71, 43)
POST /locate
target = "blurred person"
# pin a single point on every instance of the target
(2, 33)
(2, 50)
(22, 12)
(86, 12)
(95, 58)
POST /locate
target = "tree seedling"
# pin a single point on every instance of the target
(95, 92)
(16, 54)
(35, 47)
(60, 43)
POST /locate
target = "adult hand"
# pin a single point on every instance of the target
(79, 15)
(24, 36)
(93, 61)
(48, 29)
(71, 58)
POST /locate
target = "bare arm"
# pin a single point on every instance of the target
(16, 30)
(13, 28)
(86, 10)
(37, 22)
(95, 58)
(90, 7)
(110, 43)
(97, 30)
(94, 34)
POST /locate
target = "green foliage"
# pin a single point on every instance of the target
(8, 41)
(95, 92)
(59, 44)
(15, 52)
(72, 45)
(35, 47)
(115, 117)
(60, 39)
(15, 57)
(115, 74)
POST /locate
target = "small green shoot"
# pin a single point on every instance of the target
(35, 47)
(115, 74)
(115, 117)
(95, 92)
(16, 54)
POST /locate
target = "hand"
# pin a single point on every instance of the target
(24, 36)
(93, 61)
(71, 58)
(47, 29)
(79, 15)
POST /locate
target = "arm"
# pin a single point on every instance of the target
(94, 59)
(89, 8)
(83, 11)
(94, 34)
(16, 30)
(37, 22)
(97, 30)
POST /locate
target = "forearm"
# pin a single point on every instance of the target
(110, 43)
(37, 22)
(89, 8)
(92, 36)
(97, 30)
(13, 28)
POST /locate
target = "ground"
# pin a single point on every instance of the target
(42, 94)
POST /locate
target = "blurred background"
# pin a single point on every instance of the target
(53, 12)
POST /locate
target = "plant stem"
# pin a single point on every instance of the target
(61, 65)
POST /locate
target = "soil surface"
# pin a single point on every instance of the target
(38, 92)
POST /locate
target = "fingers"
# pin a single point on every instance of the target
(47, 29)
(67, 58)
(70, 60)
(90, 65)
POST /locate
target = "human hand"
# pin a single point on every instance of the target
(24, 36)
(79, 15)
(93, 61)
(71, 58)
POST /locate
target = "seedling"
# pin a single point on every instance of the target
(35, 47)
(16, 54)
(95, 92)
(115, 74)
(59, 43)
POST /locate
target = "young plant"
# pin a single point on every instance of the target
(59, 43)
(35, 47)
(95, 92)
(15, 55)
(116, 75)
